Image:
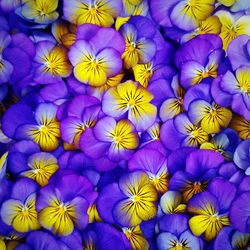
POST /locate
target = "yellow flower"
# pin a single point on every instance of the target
(140, 202)
(131, 98)
(42, 167)
(41, 11)
(232, 27)
(22, 217)
(211, 117)
(58, 216)
(207, 220)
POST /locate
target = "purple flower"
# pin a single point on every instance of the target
(181, 132)
(115, 139)
(62, 206)
(95, 61)
(211, 209)
(154, 164)
(199, 59)
(51, 63)
(192, 170)
(230, 239)
(138, 34)
(176, 233)
(41, 126)
(19, 210)
(128, 202)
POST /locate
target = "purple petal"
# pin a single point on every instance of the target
(86, 31)
(240, 213)
(224, 191)
(203, 160)
(177, 159)
(108, 37)
(91, 146)
(170, 137)
(14, 116)
(147, 160)
(107, 198)
(237, 53)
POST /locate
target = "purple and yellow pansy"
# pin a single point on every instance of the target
(124, 124)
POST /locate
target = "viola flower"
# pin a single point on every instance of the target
(117, 140)
(6, 68)
(181, 132)
(39, 11)
(242, 156)
(82, 112)
(94, 61)
(97, 12)
(224, 143)
(241, 126)
(41, 126)
(51, 63)
(133, 101)
(140, 46)
(183, 14)
(177, 235)
(193, 174)
(19, 210)
(154, 164)
(211, 209)
(62, 206)
(199, 59)
(130, 202)
(173, 105)
(236, 89)
(211, 116)
(228, 238)
(232, 26)
(41, 167)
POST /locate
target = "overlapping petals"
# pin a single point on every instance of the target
(124, 124)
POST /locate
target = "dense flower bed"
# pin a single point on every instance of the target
(124, 124)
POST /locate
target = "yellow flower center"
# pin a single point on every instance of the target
(193, 188)
(136, 198)
(132, 102)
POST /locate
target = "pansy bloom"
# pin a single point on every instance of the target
(51, 63)
(61, 205)
(130, 201)
(19, 211)
(211, 209)
(41, 126)
(134, 101)
(193, 171)
(94, 61)
(40, 11)
(116, 139)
